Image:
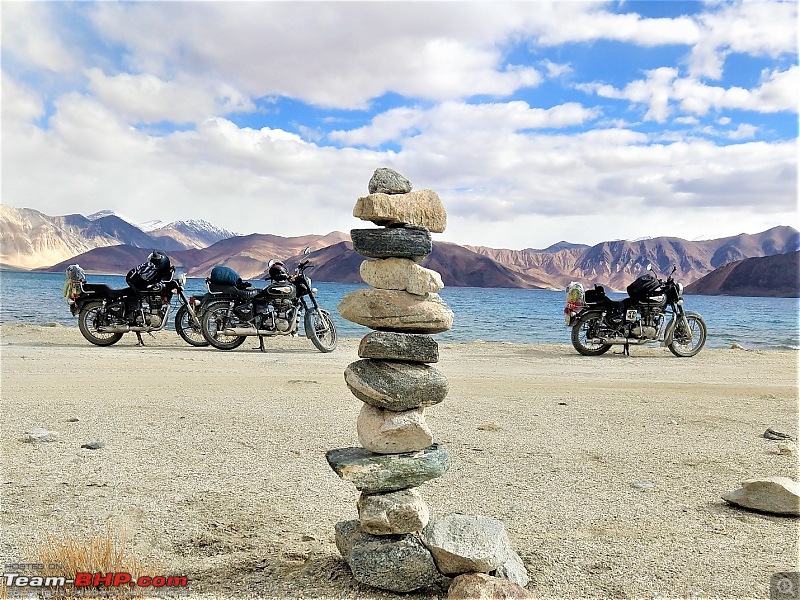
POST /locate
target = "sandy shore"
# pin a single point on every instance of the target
(606, 471)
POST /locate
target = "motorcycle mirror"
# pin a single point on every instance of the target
(307, 251)
(649, 266)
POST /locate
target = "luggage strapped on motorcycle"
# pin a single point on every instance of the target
(72, 285)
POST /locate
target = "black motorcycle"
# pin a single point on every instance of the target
(233, 312)
(598, 322)
(106, 314)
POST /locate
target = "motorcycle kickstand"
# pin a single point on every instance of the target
(261, 344)
(139, 337)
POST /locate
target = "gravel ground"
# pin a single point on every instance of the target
(606, 471)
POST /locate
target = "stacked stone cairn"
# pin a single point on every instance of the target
(395, 544)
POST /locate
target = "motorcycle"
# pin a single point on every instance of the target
(598, 322)
(106, 314)
(232, 313)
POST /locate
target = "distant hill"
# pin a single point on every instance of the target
(775, 276)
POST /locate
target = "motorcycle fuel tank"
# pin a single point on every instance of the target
(279, 290)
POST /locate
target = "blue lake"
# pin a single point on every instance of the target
(490, 314)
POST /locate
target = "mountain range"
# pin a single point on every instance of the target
(107, 243)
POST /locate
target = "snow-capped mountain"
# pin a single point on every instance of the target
(194, 233)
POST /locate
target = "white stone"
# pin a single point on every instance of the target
(389, 432)
(422, 208)
(392, 513)
(400, 274)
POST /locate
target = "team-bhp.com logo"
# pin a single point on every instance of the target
(85, 581)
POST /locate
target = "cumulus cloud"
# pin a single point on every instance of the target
(19, 101)
(31, 37)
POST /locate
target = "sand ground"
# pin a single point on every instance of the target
(606, 471)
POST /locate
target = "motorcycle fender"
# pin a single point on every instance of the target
(669, 332)
(322, 311)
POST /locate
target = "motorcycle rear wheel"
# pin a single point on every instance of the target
(580, 337)
(320, 329)
(688, 343)
(215, 318)
(88, 323)
(190, 333)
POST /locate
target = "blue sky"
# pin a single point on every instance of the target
(534, 121)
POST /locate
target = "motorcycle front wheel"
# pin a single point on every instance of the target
(689, 342)
(191, 333)
(215, 319)
(321, 330)
(90, 319)
(584, 330)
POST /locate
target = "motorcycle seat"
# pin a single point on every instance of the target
(102, 290)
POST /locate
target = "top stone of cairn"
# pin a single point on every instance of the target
(388, 181)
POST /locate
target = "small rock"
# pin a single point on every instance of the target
(493, 426)
(392, 513)
(787, 448)
(422, 208)
(389, 432)
(391, 345)
(95, 445)
(466, 543)
(375, 473)
(642, 485)
(514, 570)
(392, 242)
(479, 586)
(736, 346)
(772, 434)
(398, 563)
(73, 420)
(388, 181)
(39, 435)
(396, 311)
(400, 274)
(395, 385)
(776, 495)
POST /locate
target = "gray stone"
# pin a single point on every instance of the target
(389, 432)
(375, 473)
(776, 495)
(422, 208)
(39, 435)
(398, 563)
(388, 181)
(95, 445)
(400, 274)
(387, 242)
(479, 586)
(514, 570)
(390, 345)
(395, 385)
(396, 311)
(392, 513)
(466, 543)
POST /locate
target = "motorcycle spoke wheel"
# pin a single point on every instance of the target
(584, 331)
(191, 333)
(688, 342)
(215, 320)
(90, 319)
(321, 330)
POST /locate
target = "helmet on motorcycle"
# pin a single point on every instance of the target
(277, 272)
(160, 261)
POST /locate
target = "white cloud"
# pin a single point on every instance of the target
(30, 35)
(19, 101)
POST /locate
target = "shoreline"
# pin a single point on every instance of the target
(607, 472)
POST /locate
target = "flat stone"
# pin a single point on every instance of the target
(388, 181)
(392, 513)
(422, 208)
(375, 473)
(389, 432)
(514, 570)
(38, 435)
(388, 242)
(479, 586)
(776, 495)
(400, 274)
(394, 310)
(467, 543)
(390, 345)
(398, 563)
(395, 385)
(94, 445)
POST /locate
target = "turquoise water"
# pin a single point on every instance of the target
(490, 314)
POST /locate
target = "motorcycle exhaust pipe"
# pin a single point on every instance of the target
(248, 331)
(122, 329)
(619, 340)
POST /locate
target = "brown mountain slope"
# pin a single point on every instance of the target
(775, 276)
